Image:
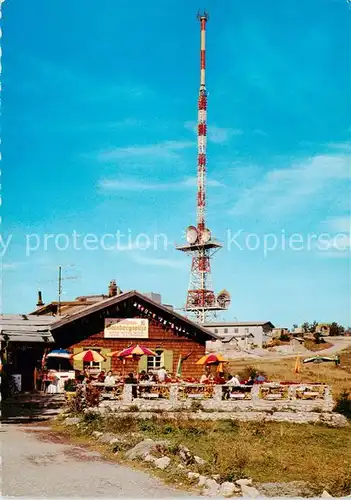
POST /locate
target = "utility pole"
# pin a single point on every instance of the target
(58, 281)
(59, 290)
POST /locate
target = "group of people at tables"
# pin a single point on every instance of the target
(161, 376)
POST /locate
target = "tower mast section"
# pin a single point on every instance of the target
(202, 129)
(201, 300)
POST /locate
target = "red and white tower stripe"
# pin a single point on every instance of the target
(202, 130)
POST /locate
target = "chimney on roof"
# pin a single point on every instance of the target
(112, 289)
(40, 299)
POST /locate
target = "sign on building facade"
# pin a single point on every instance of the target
(126, 328)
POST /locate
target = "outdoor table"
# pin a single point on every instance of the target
(310, 394)
(273, 396)
(149, 395)
(237, 395)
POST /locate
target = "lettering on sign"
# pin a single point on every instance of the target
(126, 328)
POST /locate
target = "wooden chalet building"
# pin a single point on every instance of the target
(116, 322)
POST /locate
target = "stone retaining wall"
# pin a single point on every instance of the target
(255, 402)
(300, 417)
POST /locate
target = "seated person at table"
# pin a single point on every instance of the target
(101, 376)
(152, 378)
(251, 381)
(162, 374)
(143, 376)
(233, 380)
(132, 380)
(204, 378)
(220, 379)
(109, 379)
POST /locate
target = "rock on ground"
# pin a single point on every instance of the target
(162, 463)
(186, 455)
(96, 434)
(144, 448)
(193, 475)
(249, 491)
(109, 438)
(72, 421)
(244, 482)
(228, 489)
(211, 488)
(199, 460)
(202, 481)
(325, 494)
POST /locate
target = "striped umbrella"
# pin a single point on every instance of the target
(133, 352)
(89, 355)
(211, 359)
(59, 353)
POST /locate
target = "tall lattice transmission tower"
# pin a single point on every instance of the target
(201, 301)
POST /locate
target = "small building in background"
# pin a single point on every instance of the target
(278, 332)
(246, 334)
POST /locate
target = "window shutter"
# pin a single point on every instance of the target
(77, 365)
(142, 365)
(106, 365)
(168, 361)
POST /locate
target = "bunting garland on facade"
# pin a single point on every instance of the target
(156, 318)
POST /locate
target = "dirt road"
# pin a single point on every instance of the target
(35, 466)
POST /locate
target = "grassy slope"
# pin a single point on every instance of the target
(267, 452)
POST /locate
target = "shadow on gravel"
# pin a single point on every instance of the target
(30, 408)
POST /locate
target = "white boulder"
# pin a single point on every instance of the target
(162, 463)
(211, 488)
(249, 491)
(244, 482)
(228, 489)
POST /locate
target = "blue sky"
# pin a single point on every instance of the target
(98, 109)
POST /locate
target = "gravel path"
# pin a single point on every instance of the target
(32, 467)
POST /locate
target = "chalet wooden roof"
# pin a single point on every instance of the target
(26, 328)
(111, 301)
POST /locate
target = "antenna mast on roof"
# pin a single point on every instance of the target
(60, 279)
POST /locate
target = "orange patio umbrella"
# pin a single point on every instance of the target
(211, 359)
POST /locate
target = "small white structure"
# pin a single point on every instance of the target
(242, 335)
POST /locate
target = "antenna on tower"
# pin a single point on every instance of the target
(201, 300)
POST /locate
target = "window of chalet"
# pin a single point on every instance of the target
(154, 362)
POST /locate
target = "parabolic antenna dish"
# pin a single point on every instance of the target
(191, 235)
(205, 236)
(223, 299)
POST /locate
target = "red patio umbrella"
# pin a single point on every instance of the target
(133, 352)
